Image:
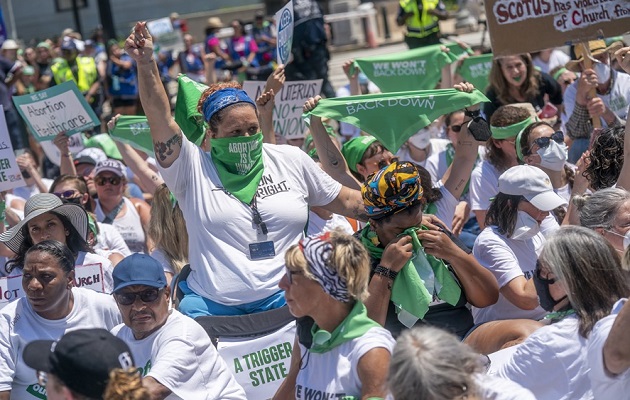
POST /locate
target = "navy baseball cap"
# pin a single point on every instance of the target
(138, 269)
(68, 44)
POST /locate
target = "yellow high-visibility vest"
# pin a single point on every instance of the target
(86, 70)
(420, 24)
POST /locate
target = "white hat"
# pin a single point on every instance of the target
(113, 166)
(10, 44)
(533, 184)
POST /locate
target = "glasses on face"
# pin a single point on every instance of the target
(290, 274)
(102, 180)
(42, 378)
(457, 128)
(146, 296)
(568, 81)
(544, 279)
(66, 194)
(543, 142)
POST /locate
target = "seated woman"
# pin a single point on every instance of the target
(579, 278)
(343, 353)
(52, 307)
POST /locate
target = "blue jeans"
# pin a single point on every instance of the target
(578, 147)
(194, 305)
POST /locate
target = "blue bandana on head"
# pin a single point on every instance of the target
(220, 99)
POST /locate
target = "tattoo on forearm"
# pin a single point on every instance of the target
(333, 156)
(460, 184)
(165, 149)
(359, 211)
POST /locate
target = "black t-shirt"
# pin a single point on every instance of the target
(546, 86)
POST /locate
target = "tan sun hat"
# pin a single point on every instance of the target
(215, 22)
(596, 47)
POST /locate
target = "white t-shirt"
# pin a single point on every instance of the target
(109, 239)
(317, 225)
(221, 229)
(161, 258)
(603, 384)
(129, 226)
(484, 184)
(26, 192)
(551, 363)
(446, 205)
(507, 259)
(181, 357)
(557, 58)
(495, 388)
(19, 325)
(437, 163)
(334, 374)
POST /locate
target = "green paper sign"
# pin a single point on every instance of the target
(394, 117)
(187, 117)
(134, 130)
(476, 70)
(417, 69)
(61, 108)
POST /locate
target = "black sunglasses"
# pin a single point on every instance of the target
(385, 162)
(102, 180)
(458, 128)
(543, 142)
(146, 296)
(568, 81)
(66, 194)
(549, 281)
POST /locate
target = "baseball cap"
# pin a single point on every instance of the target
(113, 166)
(138, 269)
(90, 155)
(533, 184)
(68, 44)
(81, 359)
(10, 44)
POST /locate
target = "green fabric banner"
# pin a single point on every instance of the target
(104, 142)
(134, 130)
(187, 117)
(417, 69)
(476, 70)
(393, 118)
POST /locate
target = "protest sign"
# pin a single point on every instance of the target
(518, 26)
(259, 364)
(10, 289)
(10, 175)
(284, 21)
(75, 145)
(476, 70)
(165, 36)
(417, 69)
(393, 118)
(289, 101)
(134, 130)
(61, 108)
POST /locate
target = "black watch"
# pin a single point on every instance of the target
(386, 272)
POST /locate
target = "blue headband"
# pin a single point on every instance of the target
(220, 99)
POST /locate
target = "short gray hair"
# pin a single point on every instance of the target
(599, 209)
(429, 363)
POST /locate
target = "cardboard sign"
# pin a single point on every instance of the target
(259, 364)
(287, 112)
(89, 276)
(284, 20)
(75, 145)
(61, 108)
(551, 23)
(10, 175)
(165, 36)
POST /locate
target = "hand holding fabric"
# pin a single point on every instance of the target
(397, 253)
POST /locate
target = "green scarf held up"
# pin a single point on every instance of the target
(409, 293)
(393, 118)
(239, 163)
(355, 325)
(186, 115)
(134, 130)
(417, 69)
(476, 70)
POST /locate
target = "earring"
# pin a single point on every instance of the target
(67, 233)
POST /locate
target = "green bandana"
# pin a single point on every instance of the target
(409, 293)
(92, 226)
(476, 70)
(510, 131)
(239, 164)
(558, 73)
(355, 325)
(354, 149)
(104, 142)
(417, 69)
(133, 130)
(187, 117)
(429, 208)
(393, 118)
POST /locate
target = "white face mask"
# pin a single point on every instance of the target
(626, 238)
(553, 156)
(526, 227)
(603, 72)
(422, 139)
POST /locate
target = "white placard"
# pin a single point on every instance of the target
(284, 22)
(10, 175)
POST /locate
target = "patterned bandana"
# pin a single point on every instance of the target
(220, 99)
(317, 251)
(391, 190)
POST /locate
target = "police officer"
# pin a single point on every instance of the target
(422, 19)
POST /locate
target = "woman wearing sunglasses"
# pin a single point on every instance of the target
(51, 307)
(578, 279)
(341, 352)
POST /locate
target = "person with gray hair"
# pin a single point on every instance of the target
(579, 278)
(430, 363)
(607, 211)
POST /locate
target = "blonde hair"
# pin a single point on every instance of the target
(167, 228)
(125, 385)
(349, 258)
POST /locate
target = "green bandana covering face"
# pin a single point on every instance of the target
(354, 149)
(417, 69)
(355, 325)
(239, 164)
(476, 70)
(187, 117)
(510, 131)
(409, 292)
(392, 118)
(134, 130)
